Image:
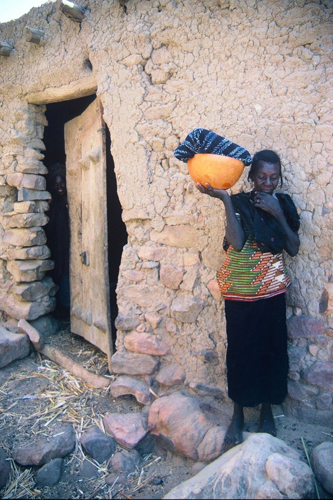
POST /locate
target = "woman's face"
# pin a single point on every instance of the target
(266, 177)
(59, 185)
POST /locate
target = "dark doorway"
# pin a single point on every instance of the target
(57, 229)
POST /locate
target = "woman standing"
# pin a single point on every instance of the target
(253, 280)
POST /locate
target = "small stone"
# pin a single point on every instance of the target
(46, 325)
(146, 445)
(4, 469)
(207, 356)
(124, 322)
(116, 478)
(88, 470)
(206, 390)
(124, 461)
(42, 450)
(153, 319)
(320, 374)
(322, 464)
(127, 429)
(214, 289)
(171, 276)
(145, 343)
(128, 385)
(133, 364)
(97, 444)
(49, 474)
(305, 327)
(186, 309)
(12, 346)
(171, 375)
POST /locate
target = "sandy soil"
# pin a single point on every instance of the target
(35, 393)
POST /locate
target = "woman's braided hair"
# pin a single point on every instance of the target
(268, 156)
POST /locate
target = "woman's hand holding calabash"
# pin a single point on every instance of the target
(221, 194)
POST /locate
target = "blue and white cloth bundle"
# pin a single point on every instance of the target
(201, 140)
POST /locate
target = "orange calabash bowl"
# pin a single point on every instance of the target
(221, 172)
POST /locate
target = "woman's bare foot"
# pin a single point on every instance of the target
(267, 423)
(234, 433)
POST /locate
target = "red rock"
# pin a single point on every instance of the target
(171, 375)
(126, 363)
(145, 343)
(214, 289)
(153, 319)
(124, 461)
(128, 385)
(171, 276)
(305, 327)
(127, 429)
(179, 422)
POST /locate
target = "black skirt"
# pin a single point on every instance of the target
(257, 358)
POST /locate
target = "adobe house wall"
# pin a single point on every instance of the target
(259, 73)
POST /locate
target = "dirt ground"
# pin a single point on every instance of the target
(35, 393)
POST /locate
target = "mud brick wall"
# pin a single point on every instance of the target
(257, 72)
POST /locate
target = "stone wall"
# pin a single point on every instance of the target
(257, 72)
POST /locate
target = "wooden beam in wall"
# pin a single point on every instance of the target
(80, 88)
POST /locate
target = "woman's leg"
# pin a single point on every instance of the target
(234, 433)
(267, 423)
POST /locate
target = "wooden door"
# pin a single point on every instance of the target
(86, 187)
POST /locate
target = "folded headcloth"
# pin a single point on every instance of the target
(201, 140)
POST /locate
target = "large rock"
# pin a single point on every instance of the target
(322, 464)
(127, 429)
(25, 237)
(125, 363)
(145, 343)
(35, 290)
(29, 270)
(12, 346)
(20, 309)
(181, 425)
(261, 467)
(27, 253)
(43, 450)
(28, 220)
